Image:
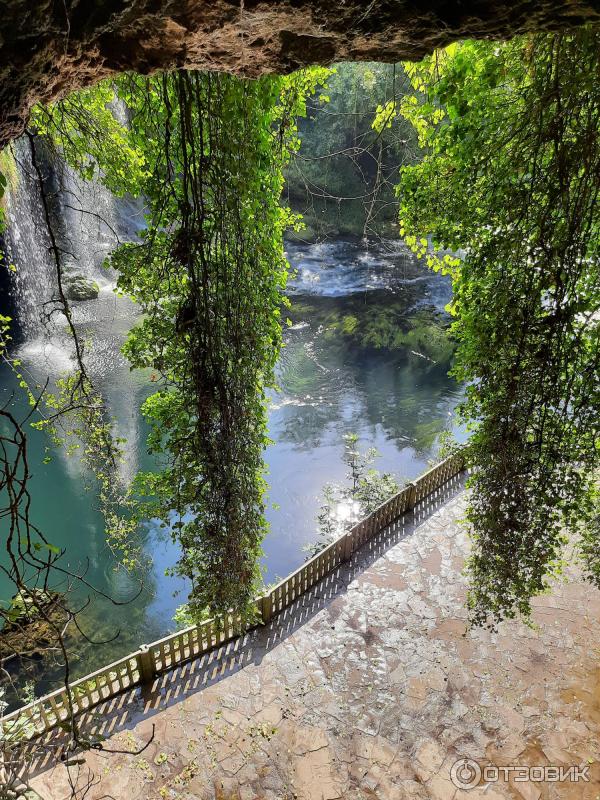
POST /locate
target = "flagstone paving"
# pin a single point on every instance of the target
(371, 687)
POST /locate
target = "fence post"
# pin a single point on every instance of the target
(146, 665)
(266, 608)
(412, 497)
(348, 545)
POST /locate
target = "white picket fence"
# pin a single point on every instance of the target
(141, 667)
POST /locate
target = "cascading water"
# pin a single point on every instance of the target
(340, 268)
(32, 275)
(88, 223)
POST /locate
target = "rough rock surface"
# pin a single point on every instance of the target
(369, 688)
(48, 48)
(79, 287)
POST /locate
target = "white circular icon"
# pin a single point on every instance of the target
(465, 773)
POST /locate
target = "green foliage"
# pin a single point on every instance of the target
(590, 536)
(25, 606)
(19, 730)
(8, 181)
(75, 417)
(344, 505)
(86, 130)
(209, 276)
(183, 617)
(340, 180)
(8, 168)
(510, 133)
(447, 446)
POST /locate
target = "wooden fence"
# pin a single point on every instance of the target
(141, 667)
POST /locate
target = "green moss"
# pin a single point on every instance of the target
(8, 170)
(349, 324)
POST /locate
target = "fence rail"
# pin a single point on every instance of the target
(141, 667)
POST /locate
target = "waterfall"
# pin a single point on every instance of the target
(88, 223)
(27, 244)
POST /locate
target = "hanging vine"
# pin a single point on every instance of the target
(511, 173)
(209, 277)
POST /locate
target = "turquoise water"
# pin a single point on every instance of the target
(397, 403)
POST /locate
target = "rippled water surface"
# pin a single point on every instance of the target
(397, 404)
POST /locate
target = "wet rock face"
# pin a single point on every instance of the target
(50, 47)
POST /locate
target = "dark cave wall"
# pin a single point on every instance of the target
(51, 47)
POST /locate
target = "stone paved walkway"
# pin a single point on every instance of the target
(369, 688)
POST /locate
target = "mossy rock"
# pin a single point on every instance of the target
(30, 624)
(79, 287)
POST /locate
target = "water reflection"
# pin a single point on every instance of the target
(393, 400)
(327, 388)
